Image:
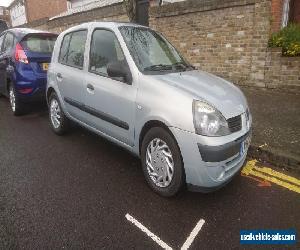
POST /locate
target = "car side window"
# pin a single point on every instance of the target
(8, 42)
(105, 49)
(72, 50)
(64, 49)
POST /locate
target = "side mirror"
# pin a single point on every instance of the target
(119, 71)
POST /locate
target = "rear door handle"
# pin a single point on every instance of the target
(90, 88)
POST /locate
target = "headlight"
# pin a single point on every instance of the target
(209, 121)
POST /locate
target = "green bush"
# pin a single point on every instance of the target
(288, 38)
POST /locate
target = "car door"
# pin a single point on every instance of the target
(2, 67)
(110, 103)
(69, 72)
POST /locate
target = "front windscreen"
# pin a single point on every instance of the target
(151, 51)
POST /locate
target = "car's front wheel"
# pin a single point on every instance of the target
(15, 104)
(58, 120)
(162, 162)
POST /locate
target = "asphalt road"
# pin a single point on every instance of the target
(73, 192)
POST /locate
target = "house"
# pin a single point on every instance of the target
(17, 13)
(4, 18)
(27, 11)
(77, 6)
(283, 12)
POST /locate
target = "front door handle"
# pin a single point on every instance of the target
(90, 87)
(59, 76)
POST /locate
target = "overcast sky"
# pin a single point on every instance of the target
(5, 2)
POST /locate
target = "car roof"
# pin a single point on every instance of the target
(104, 24)
(21, 32)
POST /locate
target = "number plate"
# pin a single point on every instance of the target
(45, 66)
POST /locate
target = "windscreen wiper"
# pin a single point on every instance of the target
(183, 65)
(158, 67)
(180, 65)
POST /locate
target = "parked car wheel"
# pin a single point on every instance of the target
(15, 104)
(162, 162)
(58, 120)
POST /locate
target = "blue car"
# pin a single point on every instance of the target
(25, 55)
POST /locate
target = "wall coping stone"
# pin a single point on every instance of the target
(191, 6)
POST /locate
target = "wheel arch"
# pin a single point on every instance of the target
(8, 83)
(157, 123)
(152, 124)
(50, 90)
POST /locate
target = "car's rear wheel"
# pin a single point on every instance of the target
(58, 120)
(162, 162)
(15, 103)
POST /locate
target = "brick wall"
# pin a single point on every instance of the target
(228, 38)
(282, 72)
(37, 9)
(115, 12)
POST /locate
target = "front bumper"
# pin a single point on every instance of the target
(211, 162)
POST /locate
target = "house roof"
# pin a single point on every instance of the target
(94, 5)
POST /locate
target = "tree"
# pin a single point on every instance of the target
(130, 6)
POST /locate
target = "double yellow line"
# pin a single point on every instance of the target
(271, 175)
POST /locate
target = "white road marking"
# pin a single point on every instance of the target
(161, 243)
(148, 232)
(193, 235)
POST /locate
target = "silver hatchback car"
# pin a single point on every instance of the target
(129, 84)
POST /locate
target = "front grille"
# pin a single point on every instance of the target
(235, 123)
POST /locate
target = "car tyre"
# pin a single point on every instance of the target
(58, 120)
(163, 166)
(17, 107)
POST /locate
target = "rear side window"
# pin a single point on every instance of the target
(64, 49)
(105, 49)
(41, 43)
(72, 49)
(8, 42)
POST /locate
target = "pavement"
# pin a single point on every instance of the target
(276, 127)
(80, 191)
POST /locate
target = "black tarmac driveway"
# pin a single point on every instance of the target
(73, 192)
